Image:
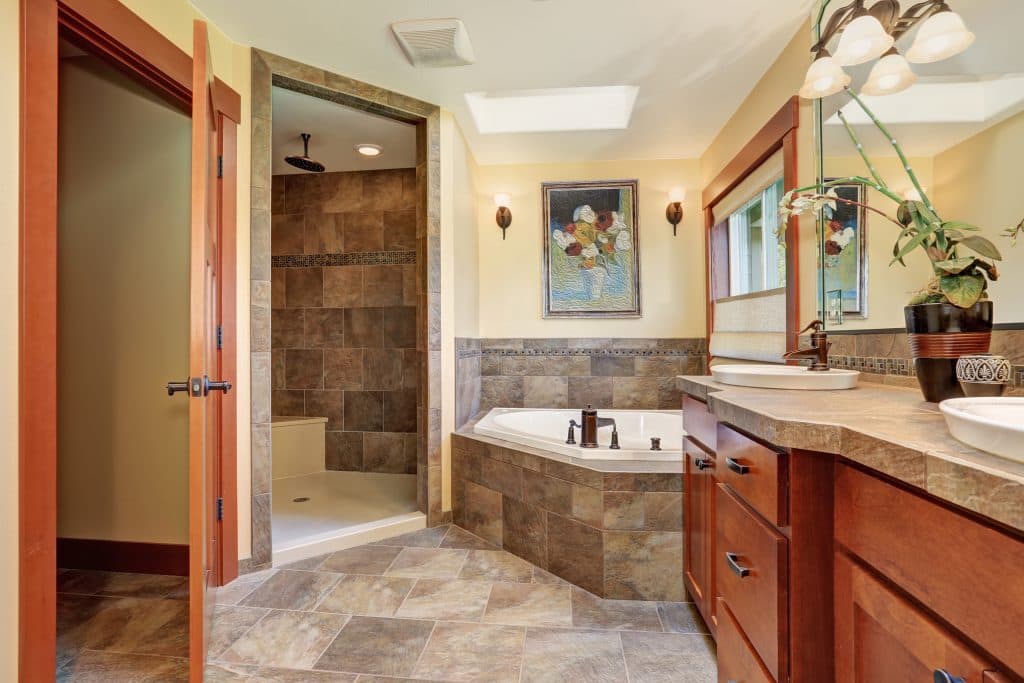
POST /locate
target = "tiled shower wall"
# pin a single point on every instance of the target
(343, 322)
(884, 356)
(571, 373)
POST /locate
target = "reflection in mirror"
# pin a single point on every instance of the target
(757, 258)
(960, 124)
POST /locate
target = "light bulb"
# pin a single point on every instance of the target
(890, 75)
(863, 39)
(941, 36)
(824, 78)
(369, 150)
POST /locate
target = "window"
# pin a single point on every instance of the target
(757, 258)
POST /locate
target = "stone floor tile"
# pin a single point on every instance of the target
(286, 639)
(292, 590)
(473, 652)
(541, 576)
(118, 584)
(529, 604)
(364, 559)
(590, 611)
(496, 565)
(238, 589)
(428, 563)
(446, 599)
(681, 617)
(669, 657)
(557, 656)
(220, 672)
(230, 623)
(457, 537)
(275, 675)
(103, 667)
(375, 596)
(373, 645)
(135, 626)
(424, 538)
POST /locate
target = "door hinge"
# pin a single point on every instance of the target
(220, 166)
(220, 337)
(220, 509)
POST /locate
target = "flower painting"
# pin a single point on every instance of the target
(845, 253)
(591, 266)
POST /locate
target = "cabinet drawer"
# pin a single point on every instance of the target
(737, 662)
(755, 472)
(751, 576)
(700, 423)
(964, 571)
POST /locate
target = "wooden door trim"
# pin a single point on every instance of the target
(780, 133)
(110, 31)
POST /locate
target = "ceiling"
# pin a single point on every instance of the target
(336, 130)
(694, 61)
(949, 103)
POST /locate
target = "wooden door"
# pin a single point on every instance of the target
(882, 637)
(699, 531)
(204, 399)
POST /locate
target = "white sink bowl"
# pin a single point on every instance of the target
(993, 425)
(784, 377)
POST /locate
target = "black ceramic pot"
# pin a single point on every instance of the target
(939, 335)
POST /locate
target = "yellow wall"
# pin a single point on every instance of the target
(9, 83)
(671, 268)
(122, 465)
(978, 181)
(780, 82)
(889, 287)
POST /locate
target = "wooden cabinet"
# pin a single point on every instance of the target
(699, 530)
(881, 637)
(737, 662)
(755, 472)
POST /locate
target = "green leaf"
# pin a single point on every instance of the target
(962, 290)
(982, 246)
(955, 266)
(958, 225)
(915, 242)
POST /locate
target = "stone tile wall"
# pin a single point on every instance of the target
(343, 320)
(467, 379)
(571, 373)
(617, 535)
(885, 356)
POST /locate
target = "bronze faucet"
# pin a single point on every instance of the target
(590, 424)
(818, 351)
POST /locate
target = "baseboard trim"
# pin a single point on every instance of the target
(122, 556)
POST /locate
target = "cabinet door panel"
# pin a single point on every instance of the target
(737, 662)
(699, 529)
(700, 423)
(882, 637)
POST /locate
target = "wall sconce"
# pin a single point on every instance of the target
(504, 215)
(674, 210)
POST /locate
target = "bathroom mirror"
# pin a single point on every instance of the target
(961, 127)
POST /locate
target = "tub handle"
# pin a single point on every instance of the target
(655, 443)
(571, 439)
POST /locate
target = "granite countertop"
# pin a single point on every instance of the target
(891, 430)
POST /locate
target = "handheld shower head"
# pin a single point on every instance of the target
(304, 162)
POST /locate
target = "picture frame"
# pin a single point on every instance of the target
(591, 249)
(845, 250)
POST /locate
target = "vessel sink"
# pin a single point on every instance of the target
(784, 377)
(994, 425)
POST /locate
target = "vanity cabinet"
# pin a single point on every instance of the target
(810, 568)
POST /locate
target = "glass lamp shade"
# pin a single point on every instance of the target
(941, 36)
(862, 40)
(502, 199)
(824, 78)
(677, 195)
(890, 75)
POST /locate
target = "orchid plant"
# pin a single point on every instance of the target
(963, 262)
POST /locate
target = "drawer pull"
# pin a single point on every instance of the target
(943, 676)
(702, 463)
(736, 466)
(739, 570)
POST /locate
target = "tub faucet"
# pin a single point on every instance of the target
(588, 429)
(818, 351)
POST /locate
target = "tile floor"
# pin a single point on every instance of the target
(435, 605)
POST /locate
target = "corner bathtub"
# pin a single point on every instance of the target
(547, 430)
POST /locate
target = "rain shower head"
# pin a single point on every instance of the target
(304, 162)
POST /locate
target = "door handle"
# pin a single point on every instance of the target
(733, 560)
(175, 387)
(736, 467)
(215, 386)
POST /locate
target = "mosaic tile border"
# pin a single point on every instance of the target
(368, 258)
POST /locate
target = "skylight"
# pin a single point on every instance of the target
(553, 109)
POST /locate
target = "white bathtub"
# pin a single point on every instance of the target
(547, 430)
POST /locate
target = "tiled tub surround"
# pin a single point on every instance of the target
(343, 322)
(571, 373)
(884, 356)
(617, 535)
(467, 379)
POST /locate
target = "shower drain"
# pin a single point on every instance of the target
(301, 499)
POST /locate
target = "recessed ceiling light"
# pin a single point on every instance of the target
(553, 109)
(368, 150)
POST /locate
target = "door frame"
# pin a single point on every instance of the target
(109, 30)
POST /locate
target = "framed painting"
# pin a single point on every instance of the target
(845, 259)
(591, 256)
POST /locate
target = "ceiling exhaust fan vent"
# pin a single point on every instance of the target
(434, 42)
